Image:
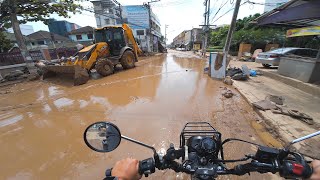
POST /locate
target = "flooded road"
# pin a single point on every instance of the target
(42, 122)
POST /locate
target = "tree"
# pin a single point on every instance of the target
(32, 10)
(5, 43)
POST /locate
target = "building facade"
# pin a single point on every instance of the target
(61, 27)
(107, 12)
(272, 4)
(144, 23)
(47, 38)
(145, 26)
(188, 39)
(84, 35)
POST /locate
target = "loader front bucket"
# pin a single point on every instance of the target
(79, 74)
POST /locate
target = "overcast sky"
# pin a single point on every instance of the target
(178, 14)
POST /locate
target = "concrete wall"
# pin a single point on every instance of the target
(303, 69)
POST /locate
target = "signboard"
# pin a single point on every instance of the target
(137, 16)
(307, 31)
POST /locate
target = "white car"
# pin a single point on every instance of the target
(272, 57)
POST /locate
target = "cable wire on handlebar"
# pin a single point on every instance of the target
(235, 139)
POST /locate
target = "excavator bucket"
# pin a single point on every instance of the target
(79, 74)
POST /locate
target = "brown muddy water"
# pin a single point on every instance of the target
(42, 123)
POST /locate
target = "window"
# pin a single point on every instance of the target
(140, 32)
(90, 36)
(117, 36)
(107, 21)
(79, 37)
(41, 42)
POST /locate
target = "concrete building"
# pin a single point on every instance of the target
(145, 25)
(46, 38)
(189, 39)
(82, 35)
(61, 27)
(272, 4)
(25, 29)
(146, 30)
(107, 12)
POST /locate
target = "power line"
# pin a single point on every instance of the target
(228, 12)
(221, 6)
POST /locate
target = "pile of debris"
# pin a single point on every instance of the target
(241, 74)
(276, 105)
(16, 75)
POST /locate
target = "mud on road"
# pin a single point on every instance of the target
(42, 123)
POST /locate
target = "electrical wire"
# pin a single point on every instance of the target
(227, 12)
(221, 6)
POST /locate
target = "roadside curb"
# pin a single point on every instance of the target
(294, 83)
(267, 123)
(279, 127)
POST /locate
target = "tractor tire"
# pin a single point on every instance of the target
(104, 67)
(127, 60)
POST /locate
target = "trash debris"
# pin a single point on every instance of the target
(13, 75)
(228, 80)
(276, 99)
(240, 76)
(232, 71)
(294, 114)
(255, 54)
(253, 73)
(246, 56)
(1, 79)
(245, 70)
(264, 105)
(227, 93)
(33, 76)
(206, 70)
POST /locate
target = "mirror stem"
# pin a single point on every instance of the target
(140, 143)
(303, 138)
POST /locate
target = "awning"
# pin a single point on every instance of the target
(295, 13)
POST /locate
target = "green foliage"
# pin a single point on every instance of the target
(36, 10)
(5, 44)
(246, 32)
(216, 37)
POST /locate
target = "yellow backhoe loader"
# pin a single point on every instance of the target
(113, 45)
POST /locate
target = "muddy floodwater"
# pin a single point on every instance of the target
(42, 122)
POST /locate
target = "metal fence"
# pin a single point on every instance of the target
(62, 52)
(15, 57)
(11, 58)
(36, 55)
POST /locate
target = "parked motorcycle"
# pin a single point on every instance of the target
(201, 154)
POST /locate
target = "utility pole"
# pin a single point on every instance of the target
(232, 28)
(165, 34)
(206, 26)
(150, 22)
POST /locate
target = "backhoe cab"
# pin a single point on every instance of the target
(113, 45)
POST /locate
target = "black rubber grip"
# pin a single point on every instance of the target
(108, 172)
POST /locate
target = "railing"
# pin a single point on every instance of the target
(11, 58)
(36, 55)
(62, 52)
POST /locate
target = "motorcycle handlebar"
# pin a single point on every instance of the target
(287, 169)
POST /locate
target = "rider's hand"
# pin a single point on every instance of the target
(126, 169)
(316, 170)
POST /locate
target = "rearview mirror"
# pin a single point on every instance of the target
(102, 136)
